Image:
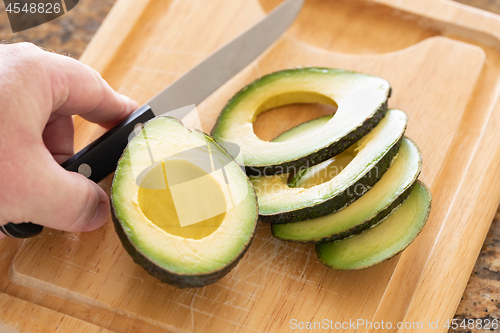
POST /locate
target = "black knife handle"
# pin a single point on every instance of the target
(96, 161)
(21, 230)
(99, 159)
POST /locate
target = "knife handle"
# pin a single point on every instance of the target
(95, 162)
(21, 230)
(100, 157)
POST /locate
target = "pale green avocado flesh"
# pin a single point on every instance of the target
(384, 240)
(183, 220)
(371, 157)
(394, 186)
(360, 100)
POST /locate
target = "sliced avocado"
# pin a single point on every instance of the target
(394, 187)
(303, 130)
(383, 241)
(328, 168)
(182, 207)
(280, 203)
(360, 100)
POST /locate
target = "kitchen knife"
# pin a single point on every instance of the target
(100, 158)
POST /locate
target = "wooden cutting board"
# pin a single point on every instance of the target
(443, 62)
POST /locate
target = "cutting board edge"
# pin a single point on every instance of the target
(442, 15)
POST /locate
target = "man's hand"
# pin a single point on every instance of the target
(40, 91)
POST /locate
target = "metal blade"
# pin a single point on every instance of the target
(197, 84)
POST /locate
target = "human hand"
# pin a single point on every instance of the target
(40, 91)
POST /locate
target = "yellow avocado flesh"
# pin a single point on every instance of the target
(166, 139)
(327, 170)
(400, 175)
(159, 207)
(356, 96)
(275, 196)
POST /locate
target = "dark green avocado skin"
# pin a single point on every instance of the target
(360, 227)
(324, 153)
(342, 200)
(165, 276)
(321, 260)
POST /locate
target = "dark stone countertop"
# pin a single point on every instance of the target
(70, 34)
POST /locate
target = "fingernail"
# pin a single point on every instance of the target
(100, 217)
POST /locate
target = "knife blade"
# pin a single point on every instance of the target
(99, 158)
(227, 61)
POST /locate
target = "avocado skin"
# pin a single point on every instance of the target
(339, 201)
(165, 276)
(179, 280)
(360, 227)
(320, 258)
(322, 154)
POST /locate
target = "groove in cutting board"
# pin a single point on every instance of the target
(46, 320)
(347, 22)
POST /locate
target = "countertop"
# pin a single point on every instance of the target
(70, 34)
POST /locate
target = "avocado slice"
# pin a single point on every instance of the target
(280, 203)
(388, 193)
(303, 177)
(383, 241)
(361, 102)
(303, 130)
(182, 207)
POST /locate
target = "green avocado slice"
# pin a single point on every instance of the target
(383, 241)
(303, 130)
(280, 203)
(392, 189)
(360, 100)
(182, 207)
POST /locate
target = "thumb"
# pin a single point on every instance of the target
(89, 210)
(67, 201)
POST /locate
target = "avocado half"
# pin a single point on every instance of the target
(373, 154)
(182, 207)
(361, 102)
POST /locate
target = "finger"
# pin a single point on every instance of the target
(79, 89)
(58, 84)
(77, 204)
(2, 236)
(59, 199)
(58, 137)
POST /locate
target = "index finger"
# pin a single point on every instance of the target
(79, 89)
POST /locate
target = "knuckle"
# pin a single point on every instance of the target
(23, 59)
(24, 50)
(100, 87)
(27, 46)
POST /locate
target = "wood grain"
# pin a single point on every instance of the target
(443, 63)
